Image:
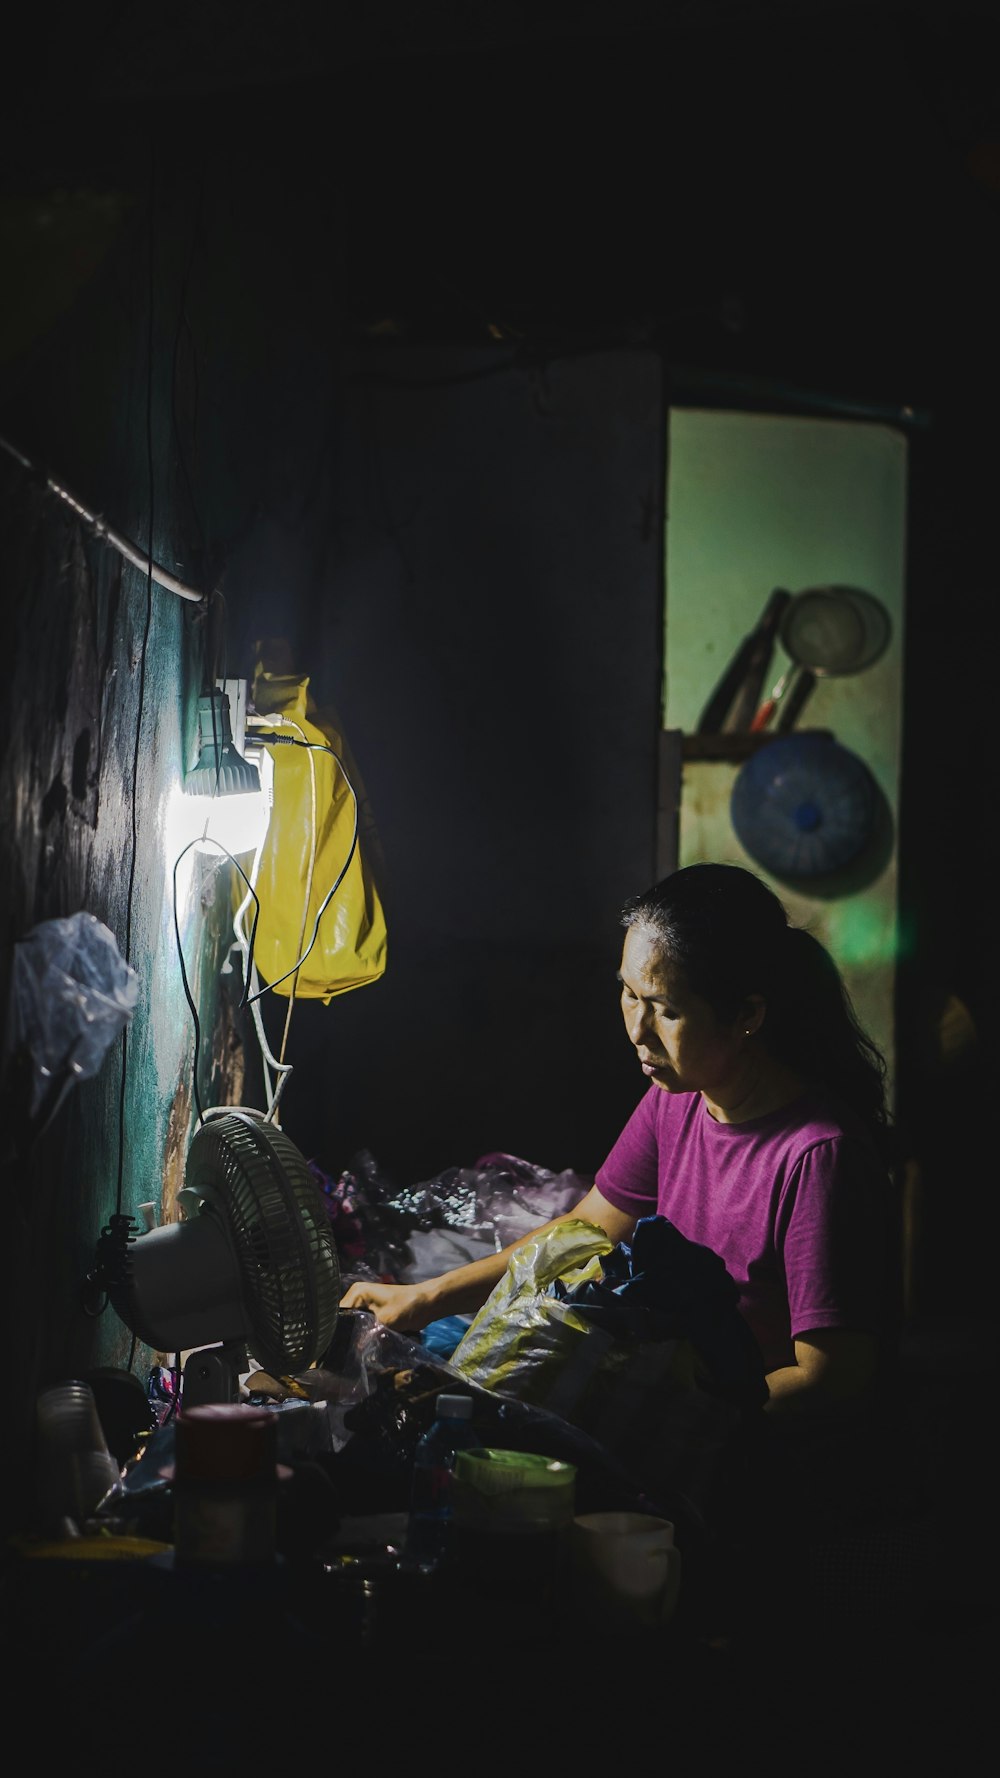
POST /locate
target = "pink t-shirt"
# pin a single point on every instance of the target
(795, 1203)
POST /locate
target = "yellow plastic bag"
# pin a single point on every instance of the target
(308, 843)
(526, 1342)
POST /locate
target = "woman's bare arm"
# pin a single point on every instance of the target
(464, 1289)
(834, 1370)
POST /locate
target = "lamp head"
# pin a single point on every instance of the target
(235, 801)
(220, 769)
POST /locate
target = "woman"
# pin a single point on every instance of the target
(763, 1135)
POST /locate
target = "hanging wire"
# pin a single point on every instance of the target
(204, 839)
(271, 1065)
(94, 522)
(136, 749)
(316, 747)
(112, 1246)
(117, 1233)
(184, 327)
(104, 533)
(306, 898)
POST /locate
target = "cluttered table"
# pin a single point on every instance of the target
(226, 1579)
(220, 1547)
(257, 1555)
(250, 1590)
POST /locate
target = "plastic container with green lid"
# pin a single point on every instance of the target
(513, 1516)
(512, 1489)
(513, 1522)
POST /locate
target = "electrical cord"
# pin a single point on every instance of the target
(317, 747)
(104, 533)
(143, 652)
(204, 839)
(276, 1066)
(270, 1063)
(306, 898)
(282, 1070)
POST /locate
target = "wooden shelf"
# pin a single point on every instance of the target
(735, 746)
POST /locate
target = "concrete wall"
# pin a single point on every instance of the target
(478, 592)
(104, 669)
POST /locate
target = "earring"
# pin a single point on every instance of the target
(748, 1033)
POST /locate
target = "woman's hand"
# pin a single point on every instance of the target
(464, 1289)
(403, 1306)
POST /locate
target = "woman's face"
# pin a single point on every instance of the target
(681, 1043)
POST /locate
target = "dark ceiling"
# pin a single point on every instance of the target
(798, 190)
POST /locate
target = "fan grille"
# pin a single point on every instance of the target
(252, 1176)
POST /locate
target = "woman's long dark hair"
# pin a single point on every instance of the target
(729, 935)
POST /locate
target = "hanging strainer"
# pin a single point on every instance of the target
(827, 632)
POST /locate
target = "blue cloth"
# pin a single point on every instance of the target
(662, 1286)
(443, 1336)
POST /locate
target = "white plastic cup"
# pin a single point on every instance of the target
(68, 1419)
(76, 1471)
(626, 1570)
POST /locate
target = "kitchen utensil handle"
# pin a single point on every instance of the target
(736, 694)
(792, 705)
(759, 662)
(768, 707)
(764, 714)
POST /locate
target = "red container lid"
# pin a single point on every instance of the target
(223, 1441)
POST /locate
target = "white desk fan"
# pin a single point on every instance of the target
(253, 1268)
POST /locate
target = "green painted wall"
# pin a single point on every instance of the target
(755, 502)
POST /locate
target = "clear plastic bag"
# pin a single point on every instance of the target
(72, 992)
(402, 1234)
(381, 1387)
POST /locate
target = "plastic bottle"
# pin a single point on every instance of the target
(429, 1530)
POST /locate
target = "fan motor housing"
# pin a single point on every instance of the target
(181, 1287)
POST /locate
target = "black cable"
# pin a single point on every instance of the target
(219, 649)
(142, 663)
(314, 747)
(184, 325)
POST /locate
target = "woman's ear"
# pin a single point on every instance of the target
(755, 1011)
